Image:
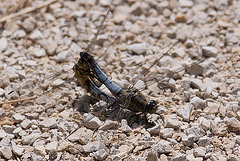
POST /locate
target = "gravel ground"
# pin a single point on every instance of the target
(200, 117)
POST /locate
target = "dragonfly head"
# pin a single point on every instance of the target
(151, 107)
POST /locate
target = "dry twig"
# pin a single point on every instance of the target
(26, 10)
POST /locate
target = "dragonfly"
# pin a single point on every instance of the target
(91, 77)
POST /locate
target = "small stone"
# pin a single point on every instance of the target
(181, 35)
(171, 34)
(93, 146)
(124, 126)
(163, 147)
(36, 35)
(49, 123)
(18, 117)
(39, 149)
(181, 18)
(233, 125)
(125, 148)
(29, 24)
(204, 123)
(6, 152)
(209, 51)
(8, 129)
(166, 132)
(185, 112)
(18, 150)
(221, 4)
(189, 43)
(36, 157)
(101, 154)
(3, 44)
(218, 128)
(198, 103)
(188, 140)
(94, 123)
(105, 2)
(180, 157)
(3, 134)
(195, 69)
(51, 146)
(199, 152)
(136, 9)
(40, 53)
(172, 123)
(83, 136)
(63, 56)
(186, 3)
(57, 83)
(30, 139)
(152, 156)
(204, 141)
(197, 83)
(212, 107)
(65, 146)
(19, 34)
(25, 124)
(29, 63)
(196, 131)
(2, 92)
(138, 48)
(109, 125)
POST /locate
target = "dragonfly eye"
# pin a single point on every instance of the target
(151, 106)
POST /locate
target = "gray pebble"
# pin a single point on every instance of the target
(204, 141)
(166, 132)
(100, 154)
(3, 44)
(17, 149)
(18, 117)
(163, 147)
(29, 24)
(82, 135)
(218, 128)
(198, 103)
(40, 53)
(185, 112)
(25, 124)
(197, 83)
(8, 129)
(209, 51)
(188, 140)
(49, 123)
(172, 123)
(109, 125)
(2, 134)
(93, 123)
(138, 48)
(63, 56)
(29, 63)
(196, 132)
(36, 35)
(19, 34)
(30, 139)
(199, 152)
(93, 146)
(2, 92)
(57, 82)
(181, 35)
(6, 152)
(180, 157)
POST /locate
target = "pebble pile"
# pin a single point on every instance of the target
(200, 118)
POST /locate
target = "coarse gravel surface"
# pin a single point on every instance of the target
(198, 117)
